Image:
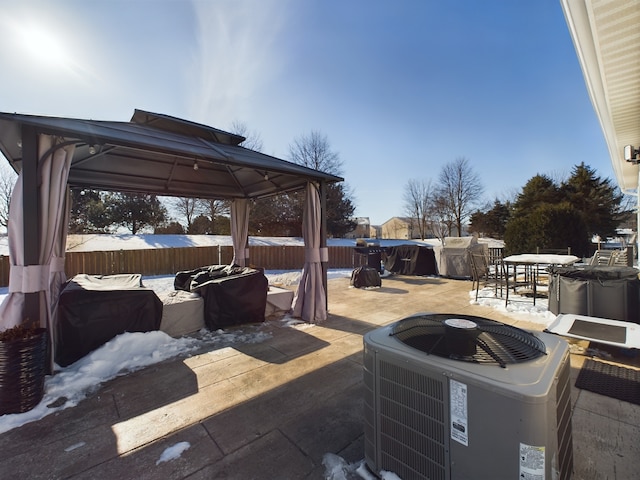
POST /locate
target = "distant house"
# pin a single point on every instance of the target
(399, 228)
(362, 230)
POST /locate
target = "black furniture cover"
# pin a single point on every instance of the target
(232, 295)
(411, 260)
(597, 291)
(92, 309)
(365, 277)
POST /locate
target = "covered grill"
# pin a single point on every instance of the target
(372, 251)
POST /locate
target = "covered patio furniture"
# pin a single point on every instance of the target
(453, 256)
(410, 260)
(365, 277)
(232, 295)
(597, 291)
(93, 309)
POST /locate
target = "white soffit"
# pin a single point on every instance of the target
(606, 35)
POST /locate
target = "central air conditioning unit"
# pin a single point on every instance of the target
(452, 397)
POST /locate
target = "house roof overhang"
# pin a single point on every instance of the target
(606, 36)
(162, 155)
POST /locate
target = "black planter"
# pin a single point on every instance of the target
(23, 366)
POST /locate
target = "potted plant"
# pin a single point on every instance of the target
(23, 366)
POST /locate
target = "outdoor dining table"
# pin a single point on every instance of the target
(530, 264)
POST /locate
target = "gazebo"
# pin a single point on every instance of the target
(154, 154)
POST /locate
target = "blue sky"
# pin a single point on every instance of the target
(399, 88)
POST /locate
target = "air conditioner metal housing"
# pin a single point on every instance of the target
(429, 417)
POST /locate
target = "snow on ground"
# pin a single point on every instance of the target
(173, 452)
(518, 308)
(337, 469)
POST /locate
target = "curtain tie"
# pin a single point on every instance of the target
(28, 279)
(316, 255)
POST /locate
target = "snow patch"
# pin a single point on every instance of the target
(173, 452)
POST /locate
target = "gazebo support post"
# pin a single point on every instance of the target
(31, 216)
(323, 237)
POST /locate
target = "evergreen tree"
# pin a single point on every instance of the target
(549, 216)
(201, 225)
(491, 223)
(88, 213)
(497, 219)
(595, 198)
(340, 210)
(277, 216)
(478, 223)
(539, 189)
(547, 226)
(135, 211)
(172, 227)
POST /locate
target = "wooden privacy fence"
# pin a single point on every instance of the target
(165, 261)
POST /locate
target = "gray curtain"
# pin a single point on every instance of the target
(47, 277)
(240, 231)
(310, 300)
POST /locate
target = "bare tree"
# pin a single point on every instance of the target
(442, 220)
(215, 208)
(418, 201)
(196, 210)
(7, 181)
(459, 189)
(253, 140)
(187, 208)
(314, 151)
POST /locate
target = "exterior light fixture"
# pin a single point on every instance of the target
(92, 150)
(631, 154)
(195, 165)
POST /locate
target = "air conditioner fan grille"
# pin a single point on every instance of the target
(468, 338)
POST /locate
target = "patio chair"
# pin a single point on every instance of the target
(486, 272)
(620, 258)
(601, 258)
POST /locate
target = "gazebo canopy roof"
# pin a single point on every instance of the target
(162, 155)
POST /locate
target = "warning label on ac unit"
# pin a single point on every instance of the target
(459, 421)
(531, 462)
